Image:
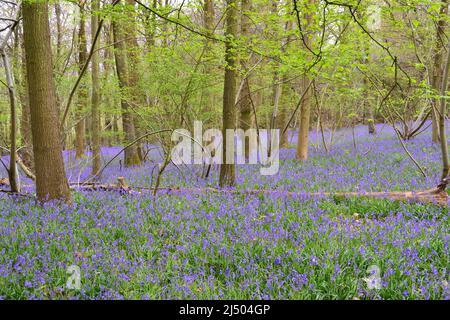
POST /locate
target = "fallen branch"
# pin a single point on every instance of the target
(434, 195)
(25, 169)
(409, 153)
(121, 186)
(431, 196)
(122, 150)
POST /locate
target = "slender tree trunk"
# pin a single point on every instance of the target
(165, 25)
(95, 99)
(131, 153)
(227, 170)
(283, 119)
(58, 14)
(438, 69)
(371, 119)
(59, 47)
(208, 9)
(80, 128)
(12, 172)
(51, 181)
(246, 114)
(109, 101)
(442, 116)
(150, 27)
(208, 20)
(136, 94)
(305, 115)
(305, 109)
(279, 115)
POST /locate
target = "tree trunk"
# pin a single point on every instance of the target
(283, 119)
(131, 153)
(227, 170)
(150, 27)
(58, 30)
(246, 116)
(371, 122)
(136, 95)
(442, 116)
(438, 70)
(59, 46)
(279, 115)
(305, 115)
(208, 21)
(371, 119)
(305, 109)
(108, 66)
(95, 99)
(12, 172)
(80, 128)
(51, 181)
(25, 121)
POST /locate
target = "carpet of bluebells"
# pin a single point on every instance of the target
(234, 245)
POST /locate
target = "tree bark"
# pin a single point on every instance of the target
(51, 181)
(438, 69)
(95, 98)
(371, 119)
(442, 116)
(246, 114)
(304, 122)
(80, 128)
(305, 109)
(12, 172)
(58, 14)
(133, 54)
(25, 121)
(131, 154)
(279, 115)
(227, 170)
(208, 21)
(108, 66)
(150, 27)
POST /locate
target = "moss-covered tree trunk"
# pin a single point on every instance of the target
(227, 170)
(120, 53)
(80, 128)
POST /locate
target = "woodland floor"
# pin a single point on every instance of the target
(238, 245)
